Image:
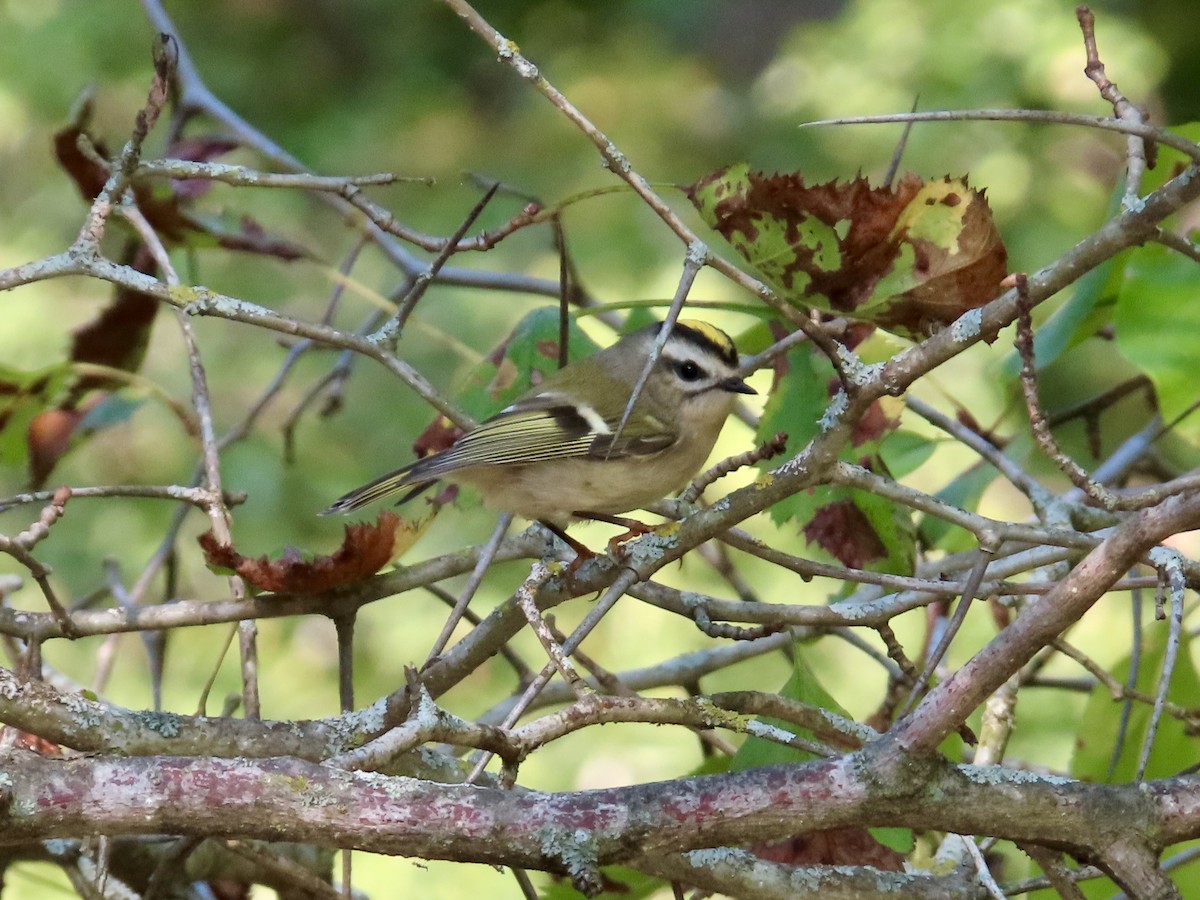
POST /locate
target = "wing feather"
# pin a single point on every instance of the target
(539, 428)
(545, 427)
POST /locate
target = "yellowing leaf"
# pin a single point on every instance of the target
(909, 258)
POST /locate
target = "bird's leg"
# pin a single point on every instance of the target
(582, 553)
(633, 526)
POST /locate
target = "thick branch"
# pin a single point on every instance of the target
(569, 832)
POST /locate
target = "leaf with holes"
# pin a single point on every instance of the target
(909, 258)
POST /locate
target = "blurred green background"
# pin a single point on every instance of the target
(683, 89)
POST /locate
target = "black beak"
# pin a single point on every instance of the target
(736, 386)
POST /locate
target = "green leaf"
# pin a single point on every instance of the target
(903, 452)
(1174, 747)
(804, 687)
(1170, 162)
(798, 399)
(855, 528)
(528, 353)
(23, 395)
(1092, 304)
(639, 317)
(1158, 308)
(899, 839)
(964, 491)
(112, 410)
(757, 338)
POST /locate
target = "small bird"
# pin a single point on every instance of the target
(559, 452)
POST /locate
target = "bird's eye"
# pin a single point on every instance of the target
(689, 371)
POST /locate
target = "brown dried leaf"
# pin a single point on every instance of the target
(163, 213)
(119, 335)
(50, 434)
(167, 208)
(366, 549)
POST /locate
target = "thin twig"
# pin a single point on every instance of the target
(1131, 680)
(538, 575)
(1137, 154)
(486, 557)
(693, 261)
(390, 332)
(1171, 573)
(599, 609)
(1038, 420)
(933, 660)
(766, 450)
(1049, 117)
(19, 548)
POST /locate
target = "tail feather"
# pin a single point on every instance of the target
(385, 486)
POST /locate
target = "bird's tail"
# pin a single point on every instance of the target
(385, 486)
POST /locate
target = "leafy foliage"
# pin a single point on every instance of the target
(858, 529)
(909, 258)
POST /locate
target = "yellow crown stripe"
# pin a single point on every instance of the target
(720, 341)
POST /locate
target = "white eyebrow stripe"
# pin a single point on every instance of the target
(678, 351)
(710, 368)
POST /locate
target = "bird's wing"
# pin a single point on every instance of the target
(545, 427)
(535, 429)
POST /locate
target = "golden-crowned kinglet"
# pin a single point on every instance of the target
(557, 452)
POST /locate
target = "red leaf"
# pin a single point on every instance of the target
(118, 336)
(873, 425)
(439, 435)
(843, 531)
(366, 549)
